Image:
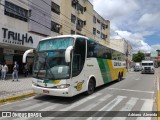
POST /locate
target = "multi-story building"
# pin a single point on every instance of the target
(24, 23)
(101, 29)
(79, 17)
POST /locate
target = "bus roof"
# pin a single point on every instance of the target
(61, 36)
(75, 36)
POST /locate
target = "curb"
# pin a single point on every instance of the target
(158, 96)
(16, 97)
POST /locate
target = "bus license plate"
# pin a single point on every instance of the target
(46, 91)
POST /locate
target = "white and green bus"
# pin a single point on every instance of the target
(71, 64)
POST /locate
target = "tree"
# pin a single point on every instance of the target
(138, 57)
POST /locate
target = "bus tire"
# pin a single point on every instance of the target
(91, 87)
(119, 77)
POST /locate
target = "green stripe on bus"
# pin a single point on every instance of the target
(105, 71)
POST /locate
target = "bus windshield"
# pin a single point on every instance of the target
(147, 64)
(50, 59)
(55, 44)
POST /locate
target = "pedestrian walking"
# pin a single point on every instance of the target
(15, 71)
(4, 71)
(26, 70)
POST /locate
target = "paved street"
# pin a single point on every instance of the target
(134, 93)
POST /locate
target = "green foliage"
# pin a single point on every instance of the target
(138, 57)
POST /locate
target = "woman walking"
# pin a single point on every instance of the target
(4, 71)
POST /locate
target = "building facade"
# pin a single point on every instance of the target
(24, 23)
(79, 17)
(124, 47)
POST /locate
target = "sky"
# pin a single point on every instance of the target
(137, 21)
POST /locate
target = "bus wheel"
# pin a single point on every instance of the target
(119, 77)
(91, 87)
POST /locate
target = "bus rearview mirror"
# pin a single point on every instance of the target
(25, 54)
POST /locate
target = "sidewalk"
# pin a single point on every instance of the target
(10, 89)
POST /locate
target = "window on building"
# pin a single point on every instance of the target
(79, 24)
(103, 26)
(80, 8)
(73, 18)
(98, 31)
(77, 6)
(98, 21)
(15, 11)
(55, 27)
(94, 31)
(106, 36)
(72, 32)
(94, 19)
(74, 3)
(55, 8)
(106, 26)
(84, 22)
(103, 36)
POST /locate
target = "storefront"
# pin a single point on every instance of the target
(13, 44)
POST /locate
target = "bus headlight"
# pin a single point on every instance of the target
(62, 86)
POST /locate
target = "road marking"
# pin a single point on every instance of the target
(81, 102)
(151, 92)
(77, 104)
(49, 107)
(147, 106)
(137, 79)
(108, 107)
(91, 106)
(33, 106)
(128, 107)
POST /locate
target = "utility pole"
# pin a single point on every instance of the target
(126, 55)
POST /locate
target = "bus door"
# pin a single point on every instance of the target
(79, 54)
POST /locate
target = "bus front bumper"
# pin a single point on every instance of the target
(53, 92)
